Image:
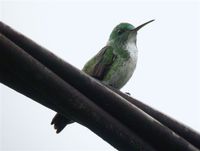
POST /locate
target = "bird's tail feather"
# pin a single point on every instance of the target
(59, 122)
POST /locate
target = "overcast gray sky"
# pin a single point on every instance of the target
(166, 77)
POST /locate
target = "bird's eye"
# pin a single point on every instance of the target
(120, 31)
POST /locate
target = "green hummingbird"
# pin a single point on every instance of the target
(113, 65)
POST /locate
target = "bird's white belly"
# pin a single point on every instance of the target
(121, 76)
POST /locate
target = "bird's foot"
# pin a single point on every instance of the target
(128, 93)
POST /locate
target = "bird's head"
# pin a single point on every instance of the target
(124, 33)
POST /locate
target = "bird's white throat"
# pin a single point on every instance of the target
(132, 48)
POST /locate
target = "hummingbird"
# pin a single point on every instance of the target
(113, 65)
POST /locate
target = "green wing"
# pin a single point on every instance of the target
(100, 64)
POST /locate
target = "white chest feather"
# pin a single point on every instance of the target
(132, 49)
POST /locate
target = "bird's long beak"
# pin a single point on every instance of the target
(137, 28)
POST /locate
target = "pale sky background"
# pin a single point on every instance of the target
(166, 77)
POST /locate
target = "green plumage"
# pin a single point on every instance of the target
(105, 63)
(113, 65)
